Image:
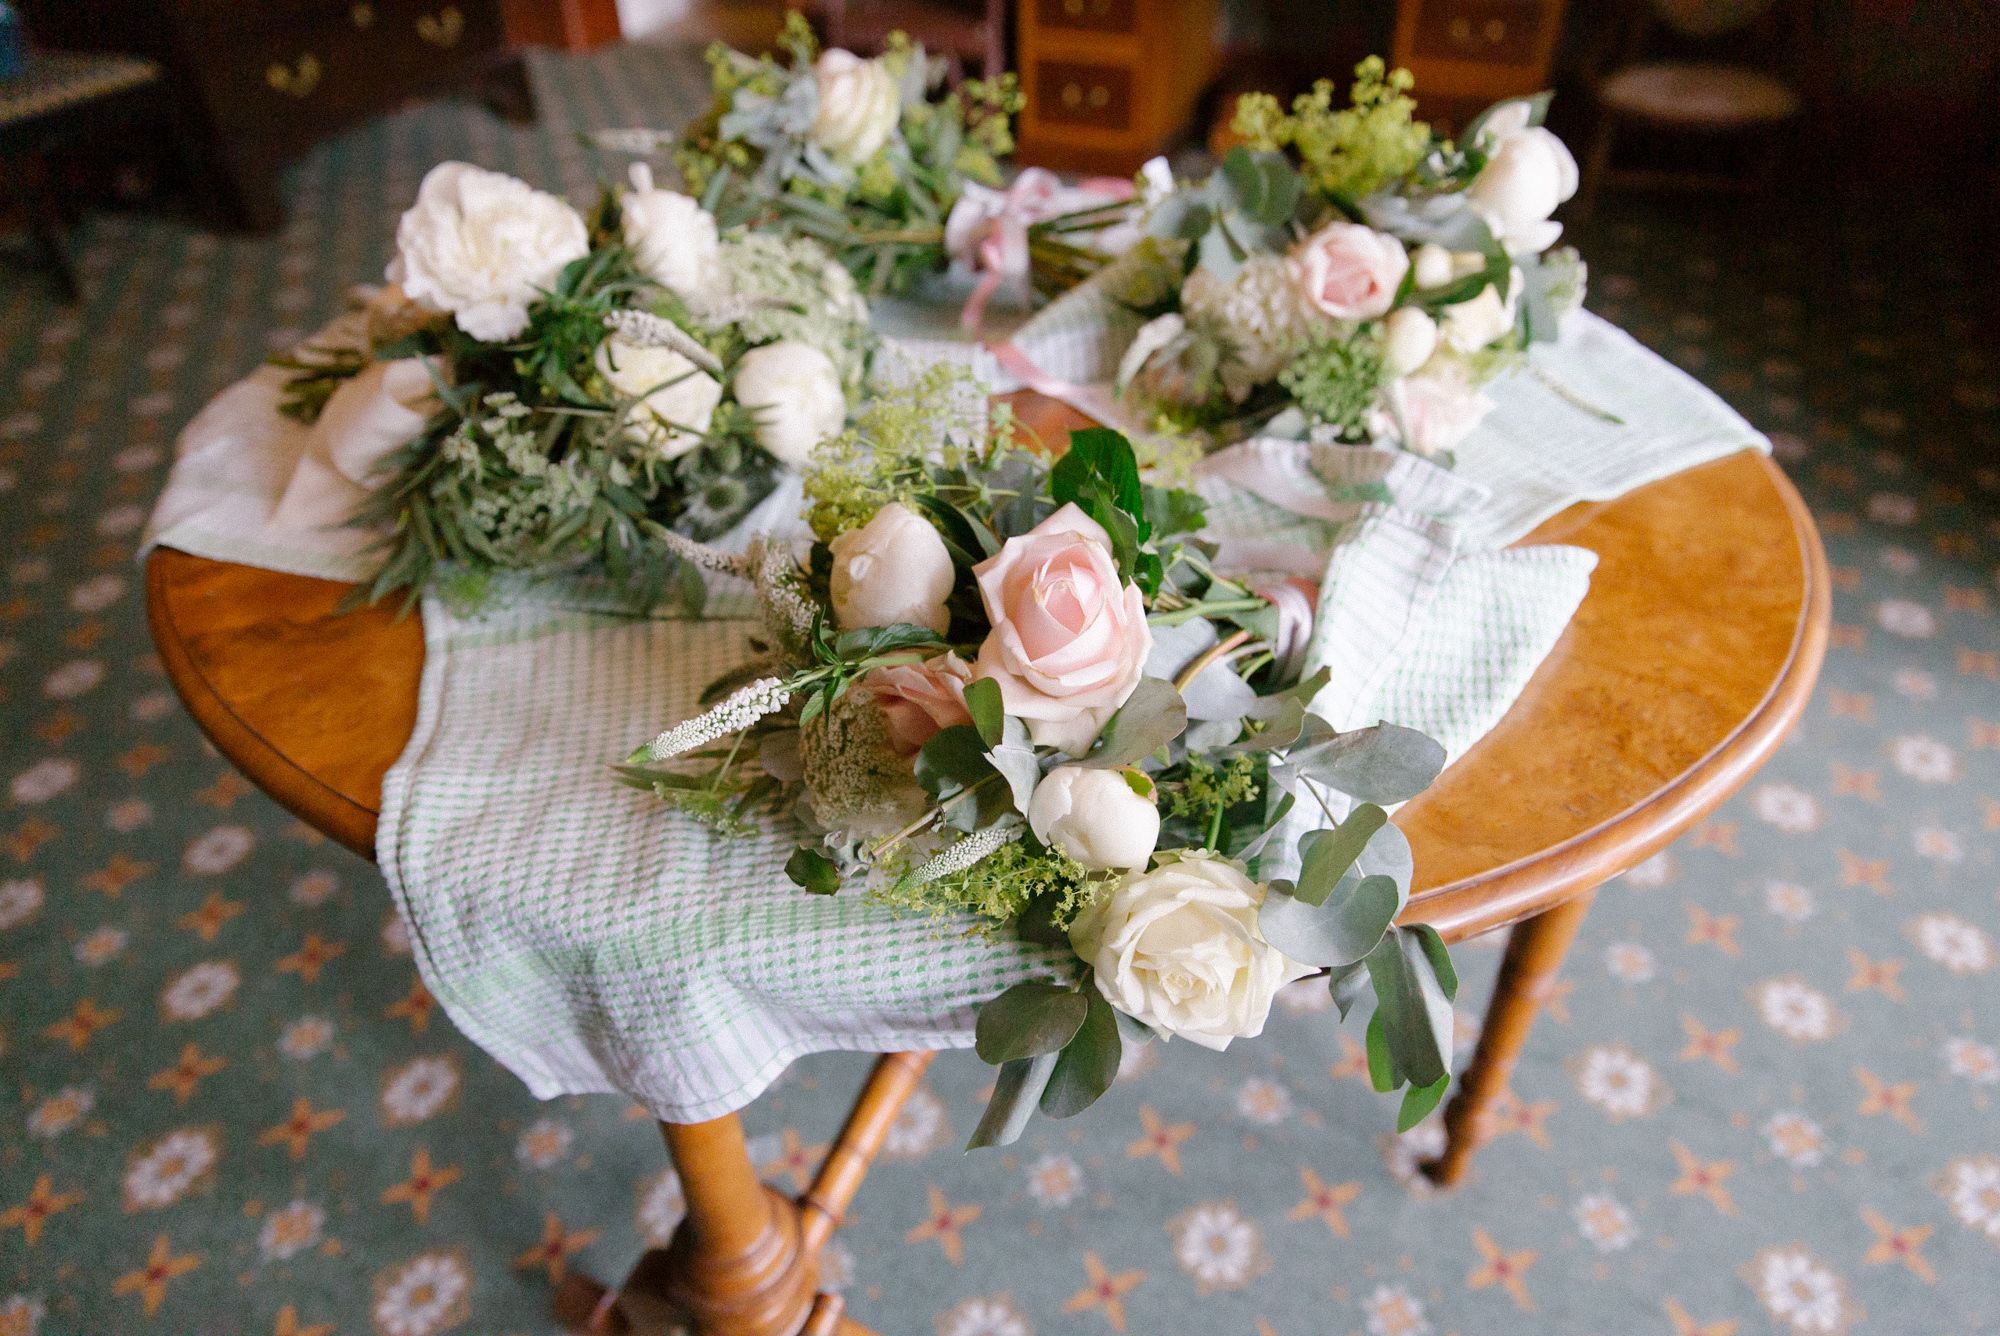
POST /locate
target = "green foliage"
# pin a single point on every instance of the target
(1207, 790)
(886, 456)
(1346, 152)
(1337, 379)
(1000, 887)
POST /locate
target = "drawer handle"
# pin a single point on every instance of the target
(363, 15)
(1463, 35)
(295, 80)
(442, 29)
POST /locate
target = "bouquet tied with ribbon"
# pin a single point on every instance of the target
(536, 389)
(1017, 693)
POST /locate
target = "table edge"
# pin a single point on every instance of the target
(1527, 886)
(317, 804)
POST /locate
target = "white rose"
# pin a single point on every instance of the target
(793, 391)
(484, 247)
(675, 398)
(1434, 412)
(672, 238)
(1528, 175)
(1409, 337)
(1096, 817)
(1472, 325)
(859, 105)
(1179, 948)
(892, 569)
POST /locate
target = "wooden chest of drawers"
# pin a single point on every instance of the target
(1468, 54)
(1109, 82)
(258, 83)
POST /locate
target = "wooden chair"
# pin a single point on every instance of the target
(61, 98)
(970, 35)
(1662, 77)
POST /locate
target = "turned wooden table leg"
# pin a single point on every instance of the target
(738, 1265)
(1535, 951)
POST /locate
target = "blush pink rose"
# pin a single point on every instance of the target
(1069, 641)
(1437, 411)
(1351, 272)
(920, 699)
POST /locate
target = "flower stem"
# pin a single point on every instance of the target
(1193, 610)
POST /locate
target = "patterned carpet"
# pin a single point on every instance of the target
(1764, 1099)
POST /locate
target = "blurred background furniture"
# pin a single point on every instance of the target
(258, 84)
(567, 25)
(1468, 54)
(1664, 76)
(971, 35)
(1109, 83)
(59, 98)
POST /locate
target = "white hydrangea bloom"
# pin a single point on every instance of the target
(1261, 315)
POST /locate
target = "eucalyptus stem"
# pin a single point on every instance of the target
(1193, 610)
(1206, 657)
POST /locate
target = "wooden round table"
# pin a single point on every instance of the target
(1690, 659)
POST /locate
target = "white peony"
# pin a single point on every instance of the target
(859, 105)
(1096, 816)
(1178, 947)
(1485, 319)
(892, 569)
(793, 391)
(672, 238)
(1529, 173)
(1409, 337)
(484, 247)
(675, 398)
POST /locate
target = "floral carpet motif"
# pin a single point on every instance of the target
(1762, 1100)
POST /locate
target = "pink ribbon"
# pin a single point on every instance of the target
(999, 241)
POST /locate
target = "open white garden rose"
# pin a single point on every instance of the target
(676, 398)
(672, 238)
(1349, 271)
(891, 570)
(484, 246)
(793, 390)
(859, 105)
(1096, 817)
(1069, 641)
(1472, 325)
(1529, 173)
(1178, 947)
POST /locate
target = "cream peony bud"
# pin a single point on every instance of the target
(1095, 817)
(1486, 318)
(484, 247)
(892, 569)
(1409, 337)
(1178, 947)
(675, 398)
(672, 238)
(1431, 264)
(1529, 174)
(794, 394)
(859, 105)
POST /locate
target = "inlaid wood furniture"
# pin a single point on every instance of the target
(567, 25)
(1469, 54)
(258, 84)
(1688, 662)
(1109, 83)
(970, 35)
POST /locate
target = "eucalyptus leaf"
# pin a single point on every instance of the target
(989, 714)
(1412, 1005)
(1016, 1091)
(1418, 1101)
(1386, 763)
(1382, 1073)
(1347, 983)
(1347, 928)
(1088, 1064)
(1151, 717)
(813, 870)
(954, 759)
(1326, 855)
(1028, 1020)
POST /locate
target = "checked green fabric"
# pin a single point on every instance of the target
(592, 940)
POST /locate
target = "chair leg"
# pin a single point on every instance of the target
(35, 194)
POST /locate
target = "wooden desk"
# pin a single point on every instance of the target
(1689, 661)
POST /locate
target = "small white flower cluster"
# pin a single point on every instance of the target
(744, 707)
(706, 558)
(962, 854)
(646, 330)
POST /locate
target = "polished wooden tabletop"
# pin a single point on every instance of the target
(1690, 659)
